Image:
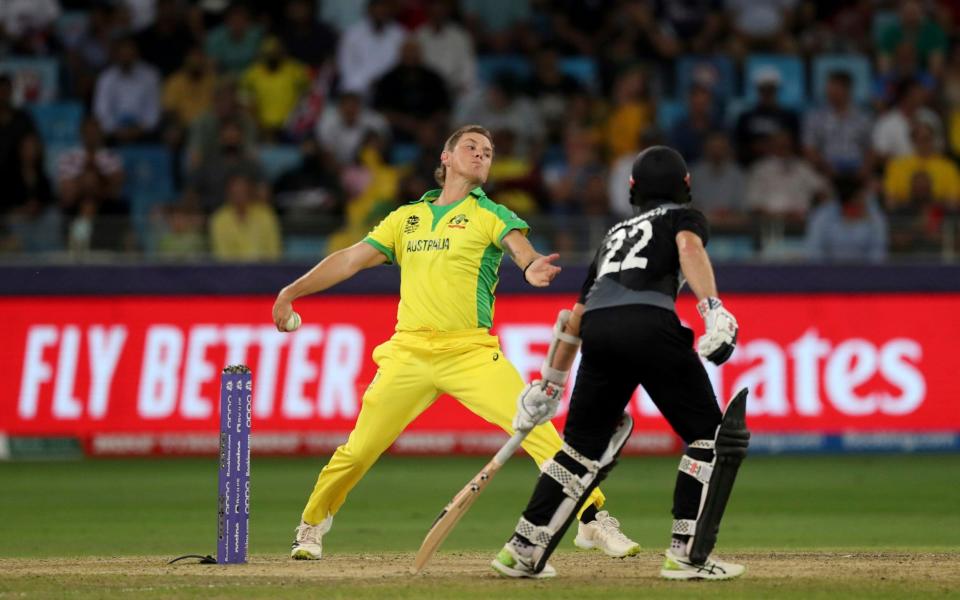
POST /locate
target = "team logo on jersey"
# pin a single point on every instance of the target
(413, 221)
(459, 222)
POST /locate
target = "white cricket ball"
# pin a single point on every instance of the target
(293, 322)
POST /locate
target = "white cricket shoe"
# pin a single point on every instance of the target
(678, 566)
(604, 533)
(308, 545)
(517, 561)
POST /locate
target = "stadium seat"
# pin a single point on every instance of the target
(492, 66)
(148, 181)
(279, 158)
(35, 80)
(735, 107)
(404, 153)
(715, 71)
(58, 122)
(304, 247)
(71, 26)
(583, 69)
(668, 112)
(857, 65)
(793, 89)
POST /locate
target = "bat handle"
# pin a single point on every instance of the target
(510, 447)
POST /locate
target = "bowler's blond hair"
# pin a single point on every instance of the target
(440, 174)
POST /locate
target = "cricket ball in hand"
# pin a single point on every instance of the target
(293, 322)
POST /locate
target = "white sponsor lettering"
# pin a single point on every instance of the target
(300, 370)
(159, 374)
(903, 375)
(198, 371)
(342, 359)
(268, 365)
(807, 353)
(106, 345)
(65, 404)
(36, 371)
(766, 380)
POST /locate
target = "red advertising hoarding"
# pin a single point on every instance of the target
(142, 373)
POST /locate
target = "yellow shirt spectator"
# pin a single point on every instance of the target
(943, 173)
(275, 92)
(248, 234)
(188, 92)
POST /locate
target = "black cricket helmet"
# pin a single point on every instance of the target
(659, 176)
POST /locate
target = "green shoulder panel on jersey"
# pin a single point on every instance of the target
(509, 218)
(383, 249)
(487, 279)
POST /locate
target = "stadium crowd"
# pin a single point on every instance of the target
(267, 129)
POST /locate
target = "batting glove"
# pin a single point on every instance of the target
(717, 344)
(537, 404)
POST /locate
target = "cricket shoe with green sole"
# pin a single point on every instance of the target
(678, 566)
(517, 561)
(603, 533)
(308, 545)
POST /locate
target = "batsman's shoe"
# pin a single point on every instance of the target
(514, 561)
(678, 566)
(604, 534)
(308, 545)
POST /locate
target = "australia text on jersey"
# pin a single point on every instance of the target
(428, 245)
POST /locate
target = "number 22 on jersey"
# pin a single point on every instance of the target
(632, 260)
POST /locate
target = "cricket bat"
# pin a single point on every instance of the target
(456, 508)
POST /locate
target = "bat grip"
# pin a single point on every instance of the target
(510, 447)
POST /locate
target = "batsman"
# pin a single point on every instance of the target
(448, 245)
(631, 336)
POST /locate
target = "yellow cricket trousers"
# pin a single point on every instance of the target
(413, 370)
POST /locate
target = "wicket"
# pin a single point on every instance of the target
(233, 515)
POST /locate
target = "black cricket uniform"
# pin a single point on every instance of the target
(632, 336)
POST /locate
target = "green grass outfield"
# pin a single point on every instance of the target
(831, 512)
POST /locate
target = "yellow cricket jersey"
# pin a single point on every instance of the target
(449, 257)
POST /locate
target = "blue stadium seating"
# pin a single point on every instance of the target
(404, 153)
(304, 247)
(148, 181)
(58, 122)
(668, 112)
(793, 89)
(857, 65)
(490, 67)
(277, 159)
(583, 69)
(718, 69)
(35, 80)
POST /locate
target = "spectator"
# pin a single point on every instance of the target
(342, 14)
(695, 24)
(514, 179)
(836, 137)
(761, 25)
(411, 93)
(275, 84)
(343, 127)
(90, 52)
(496, 23)
(165, 43)
(204, 138)
(29, 24)
(718, 184)
(917, 30)
(632, 113)
(891, 132)
(182, 233)
(127, 96)
(90, 171)
(189, 92)
(783, 184)
(140, 14)
(943, 173)
(447, 48)
(234, 45)
(15, 125)
(312, 189)
(34, 223)
(571, 183)
(689, 132)
(918, 223)
(369, 48)
(850, 228)
(552, 89)
(305, 37)
(206, 185)
(757, 126)
(904, 67)
(501, 107)
(245, 228)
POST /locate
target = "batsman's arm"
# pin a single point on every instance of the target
(339, 266)
(695, 265)
(538, 269)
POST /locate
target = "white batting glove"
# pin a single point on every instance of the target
(720, 338)
(537, 404)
